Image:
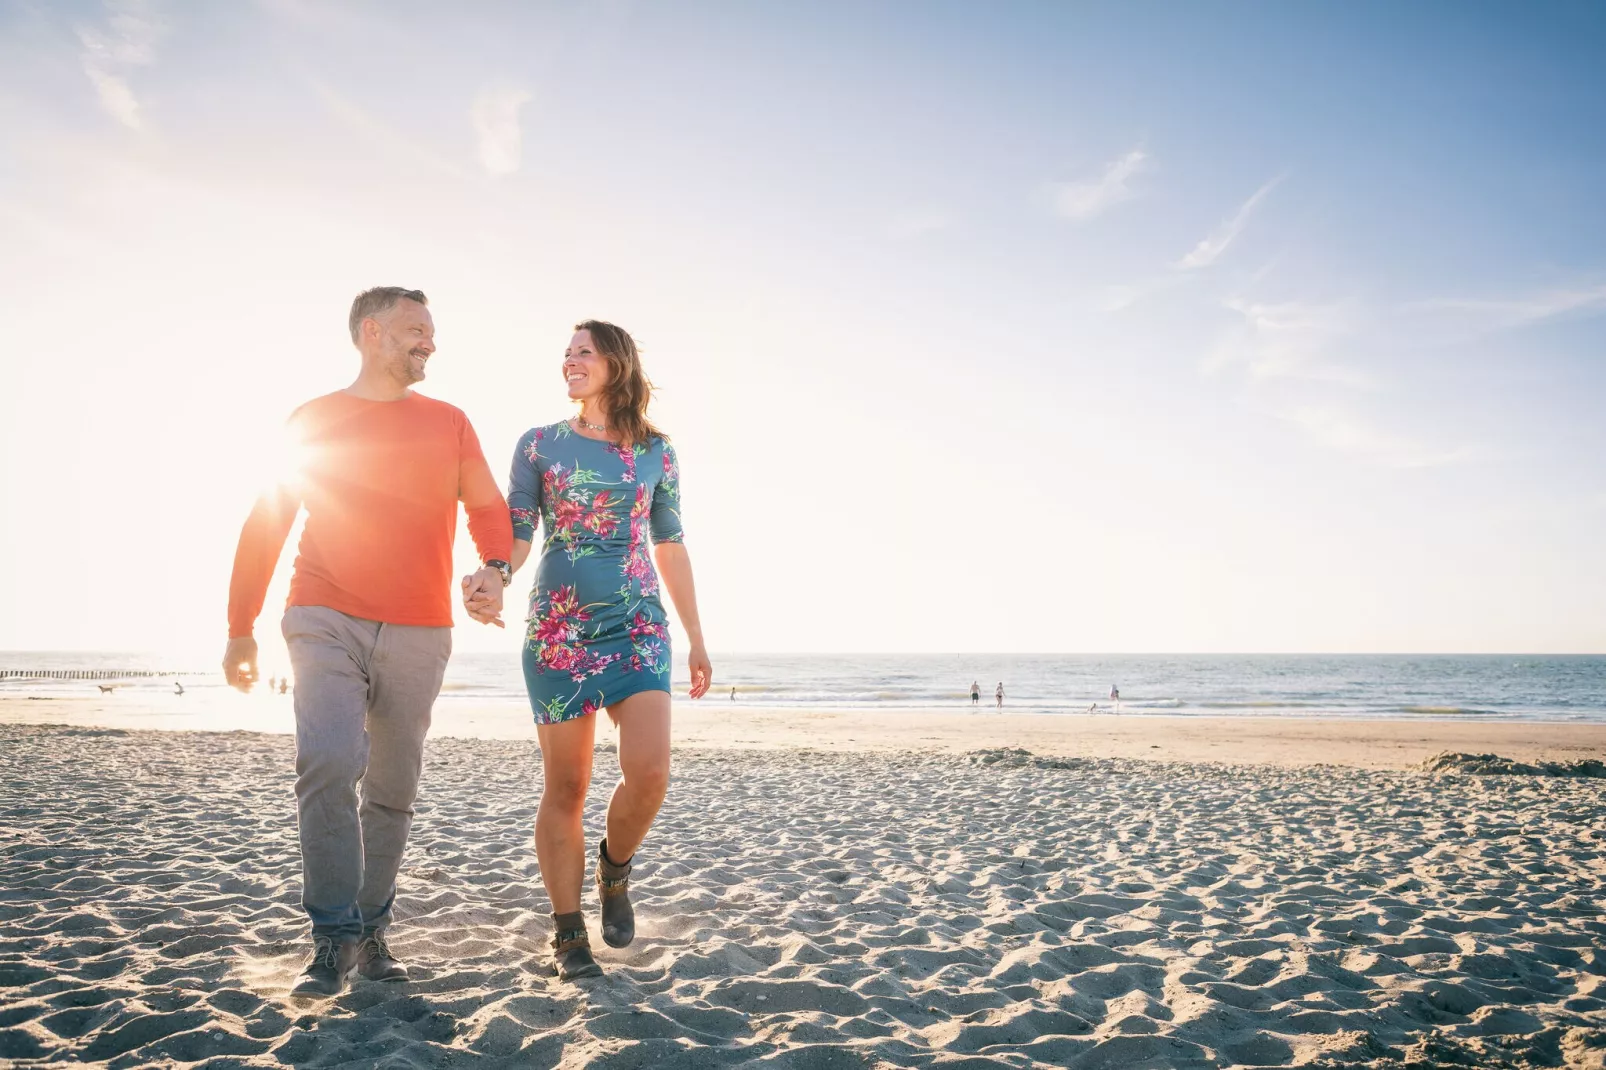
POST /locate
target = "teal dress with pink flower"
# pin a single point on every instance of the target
(597, 629)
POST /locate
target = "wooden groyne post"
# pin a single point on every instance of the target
(82, 674)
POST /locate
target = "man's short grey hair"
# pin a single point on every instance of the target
(377, 301)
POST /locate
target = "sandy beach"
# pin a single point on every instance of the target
(848, 904)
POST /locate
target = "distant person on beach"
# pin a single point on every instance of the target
(369, 620)
(1115, 698)
(604, 484)
(975, 693)
(999, 695)
(284, 685)
(733, 694)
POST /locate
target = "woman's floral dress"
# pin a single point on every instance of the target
(597, 628)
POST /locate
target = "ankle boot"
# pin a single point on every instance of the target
(571, 948)
(613, 888)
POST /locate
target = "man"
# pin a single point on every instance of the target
(381, 470)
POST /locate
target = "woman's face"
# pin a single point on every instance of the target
(584, 369)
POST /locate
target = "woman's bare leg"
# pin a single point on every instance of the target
(643, 721)
(560, 839)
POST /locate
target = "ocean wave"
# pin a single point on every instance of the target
(1447, 711)
(814, 698)
(1268, 704)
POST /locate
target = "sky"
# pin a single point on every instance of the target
(1019, 327)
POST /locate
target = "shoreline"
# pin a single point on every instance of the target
(1371, 743)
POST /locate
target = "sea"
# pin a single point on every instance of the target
(1511, 687)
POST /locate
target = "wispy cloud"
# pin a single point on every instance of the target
(1336, 427)
(1291, 361)
(1288, 340)
(1084, 200)
(1118, 297)
(1503, 313)
(914, 223)
(495, 115)
(111, 49)
(379, 135)
(1209, 250)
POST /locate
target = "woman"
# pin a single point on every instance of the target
(598, 639)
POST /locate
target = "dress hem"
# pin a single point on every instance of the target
(612, 699)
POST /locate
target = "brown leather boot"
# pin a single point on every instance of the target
(376, 961)
(571, 948)
(613, 888)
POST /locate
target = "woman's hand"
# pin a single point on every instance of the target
(482, 596)
(702, 672)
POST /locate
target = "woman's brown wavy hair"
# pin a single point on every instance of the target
(629, 391)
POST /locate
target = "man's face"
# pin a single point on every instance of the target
(406, 339)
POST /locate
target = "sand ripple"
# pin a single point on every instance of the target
(815, 910)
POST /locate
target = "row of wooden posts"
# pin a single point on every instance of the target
(80, 674)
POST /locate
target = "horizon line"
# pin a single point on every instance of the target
(1009, 653)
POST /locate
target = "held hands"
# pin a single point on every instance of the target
(482, 596)
(240, 662)
(702, 672)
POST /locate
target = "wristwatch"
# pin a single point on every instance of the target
(504, 569)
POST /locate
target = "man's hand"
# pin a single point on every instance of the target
(702, 671)
(240, 662)
(482, 596)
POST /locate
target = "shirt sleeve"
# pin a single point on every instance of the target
(524, 487)
(665, 516)
(487, 510)
(262, 538)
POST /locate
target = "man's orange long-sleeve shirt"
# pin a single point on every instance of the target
(380, 481)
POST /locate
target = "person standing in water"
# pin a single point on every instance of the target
(975, 693)
(601, 484)
(999, 695)
(1115, 697)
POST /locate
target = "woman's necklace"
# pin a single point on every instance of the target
(598, 428)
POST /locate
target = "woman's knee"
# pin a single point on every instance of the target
(647, 775)
(566, 793)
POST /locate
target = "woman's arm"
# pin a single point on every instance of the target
(521, 554)
(674, 567)
(524, 510)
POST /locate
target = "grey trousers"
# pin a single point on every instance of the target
(363, 696)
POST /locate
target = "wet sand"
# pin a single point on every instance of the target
(713, 723)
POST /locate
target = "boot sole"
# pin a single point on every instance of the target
(581, 974)
(319, 993)
(390, 980)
